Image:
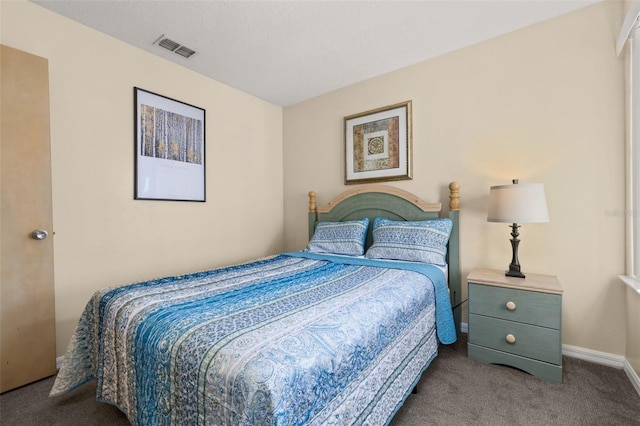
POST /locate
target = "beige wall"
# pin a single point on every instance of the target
(103, 236)
(543, 104)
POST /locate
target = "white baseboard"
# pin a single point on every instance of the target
(597, 357)
(632, 375)
(604, 358)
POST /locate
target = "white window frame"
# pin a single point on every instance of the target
(629, 40)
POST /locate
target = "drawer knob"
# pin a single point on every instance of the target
(510, 338)
(511, 306)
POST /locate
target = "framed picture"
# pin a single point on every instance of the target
(169, 149)
(378, 144)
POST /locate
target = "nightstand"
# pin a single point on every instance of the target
(516, 322)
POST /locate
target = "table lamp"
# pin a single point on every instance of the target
(517, 203)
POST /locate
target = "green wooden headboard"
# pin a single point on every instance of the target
(380, 200)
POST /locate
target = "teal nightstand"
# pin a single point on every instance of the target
(516, 322)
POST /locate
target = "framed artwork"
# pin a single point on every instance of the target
(169, 149)
(378, 144)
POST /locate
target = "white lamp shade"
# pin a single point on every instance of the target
(518, 203)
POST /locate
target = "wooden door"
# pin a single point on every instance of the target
(27, 321)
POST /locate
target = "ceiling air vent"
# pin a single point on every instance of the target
(175, 47)
(185, 51)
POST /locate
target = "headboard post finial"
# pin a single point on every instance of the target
(312, 202)
(454, 196)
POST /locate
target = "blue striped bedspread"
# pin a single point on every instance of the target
(288, 340)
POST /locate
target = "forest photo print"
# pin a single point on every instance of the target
(170, 147)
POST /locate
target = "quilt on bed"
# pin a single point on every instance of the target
(292, 339)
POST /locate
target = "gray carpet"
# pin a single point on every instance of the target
(457, 390)
(454, 390)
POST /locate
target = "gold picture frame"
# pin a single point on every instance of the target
(378, 145)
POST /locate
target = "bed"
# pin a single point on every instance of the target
(338, 333)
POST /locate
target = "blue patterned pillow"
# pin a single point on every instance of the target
(340, 237)
(419, 241)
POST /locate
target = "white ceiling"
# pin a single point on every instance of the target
(288, 51)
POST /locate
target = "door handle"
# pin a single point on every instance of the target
(39, 234)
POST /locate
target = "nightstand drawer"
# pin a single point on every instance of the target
(544, 370)
(530, 307)
(531, 341)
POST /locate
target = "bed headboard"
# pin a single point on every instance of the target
(394, 203)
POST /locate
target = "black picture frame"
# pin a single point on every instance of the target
(170, 147)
